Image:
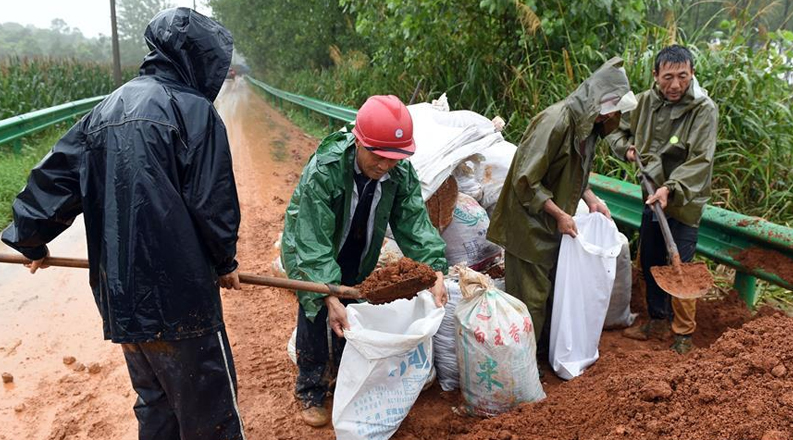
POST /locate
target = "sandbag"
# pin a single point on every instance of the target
(467, 182)
(619, 312)
(389, 253)
(291, 347)
(492, 172)
(278, 267)
(444, 140)
(584, 279)
(496, 352)
(444, 343)
(386, 362)
(466, 236)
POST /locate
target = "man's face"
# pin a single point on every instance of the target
(605, 124)
(372, 165)
(673, 80)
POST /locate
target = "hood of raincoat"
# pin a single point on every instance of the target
(193, 48)
(584, 104)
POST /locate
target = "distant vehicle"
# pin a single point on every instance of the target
(231, 74)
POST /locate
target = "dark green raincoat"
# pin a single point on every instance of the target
(676, 142)
(319, 210)
(552, 162)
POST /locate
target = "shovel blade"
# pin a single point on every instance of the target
(692, 281)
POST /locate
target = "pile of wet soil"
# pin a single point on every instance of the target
(740, 388)
(380, 287)
(767, 260)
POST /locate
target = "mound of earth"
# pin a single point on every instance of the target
(740, 388)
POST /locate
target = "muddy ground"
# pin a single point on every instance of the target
(636, 390)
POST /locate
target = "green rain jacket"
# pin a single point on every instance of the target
(319, 211)
(676, 142)
(553, 161)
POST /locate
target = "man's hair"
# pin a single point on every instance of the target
(674, 54)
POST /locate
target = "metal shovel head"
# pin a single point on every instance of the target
(692, 281)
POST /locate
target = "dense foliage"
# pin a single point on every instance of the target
(516, 57)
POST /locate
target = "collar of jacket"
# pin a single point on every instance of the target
(342, 148)
(693, 97)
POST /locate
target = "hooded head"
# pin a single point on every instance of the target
(197, 48)
(606, 91)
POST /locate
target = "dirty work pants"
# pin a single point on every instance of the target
(317, 357)
(187, 389)
(652, 252)
(533, 284)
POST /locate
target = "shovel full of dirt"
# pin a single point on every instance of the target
(401, 280)
(682, 280)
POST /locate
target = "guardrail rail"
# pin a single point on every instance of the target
(13, 129)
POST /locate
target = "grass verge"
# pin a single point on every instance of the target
(14, 168)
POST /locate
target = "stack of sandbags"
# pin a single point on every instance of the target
(444, 139)
(466, 236)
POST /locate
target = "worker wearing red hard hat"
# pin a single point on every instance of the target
(351, 189)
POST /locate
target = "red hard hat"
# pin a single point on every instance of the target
(384, 126)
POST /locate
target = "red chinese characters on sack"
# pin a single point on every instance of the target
(514, 332)
(480, 335)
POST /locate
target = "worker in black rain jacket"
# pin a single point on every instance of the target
(150, 170)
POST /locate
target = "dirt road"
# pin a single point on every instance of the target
(51, 315)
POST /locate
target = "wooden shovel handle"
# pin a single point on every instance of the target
(79, 263)
(671, 247)
(343, 292)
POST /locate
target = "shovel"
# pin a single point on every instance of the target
(681, 280)
(379, 294)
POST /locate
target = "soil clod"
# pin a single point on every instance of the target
(401, 280)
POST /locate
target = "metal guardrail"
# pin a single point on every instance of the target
(332, 111)
(724, 236)
(16, 127)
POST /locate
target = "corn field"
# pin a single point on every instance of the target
(29, 84)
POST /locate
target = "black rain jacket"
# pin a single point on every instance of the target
(150, 169)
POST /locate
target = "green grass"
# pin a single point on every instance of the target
(14, 168)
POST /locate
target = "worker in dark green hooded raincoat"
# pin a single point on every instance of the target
(353, 187)
(548, 176)
(673, 130)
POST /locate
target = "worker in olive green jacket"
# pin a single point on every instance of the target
(673, 129)
(548, 176)
(352, 188)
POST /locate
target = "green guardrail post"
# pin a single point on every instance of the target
(330, 123)
(17, 144)
(746, 286)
